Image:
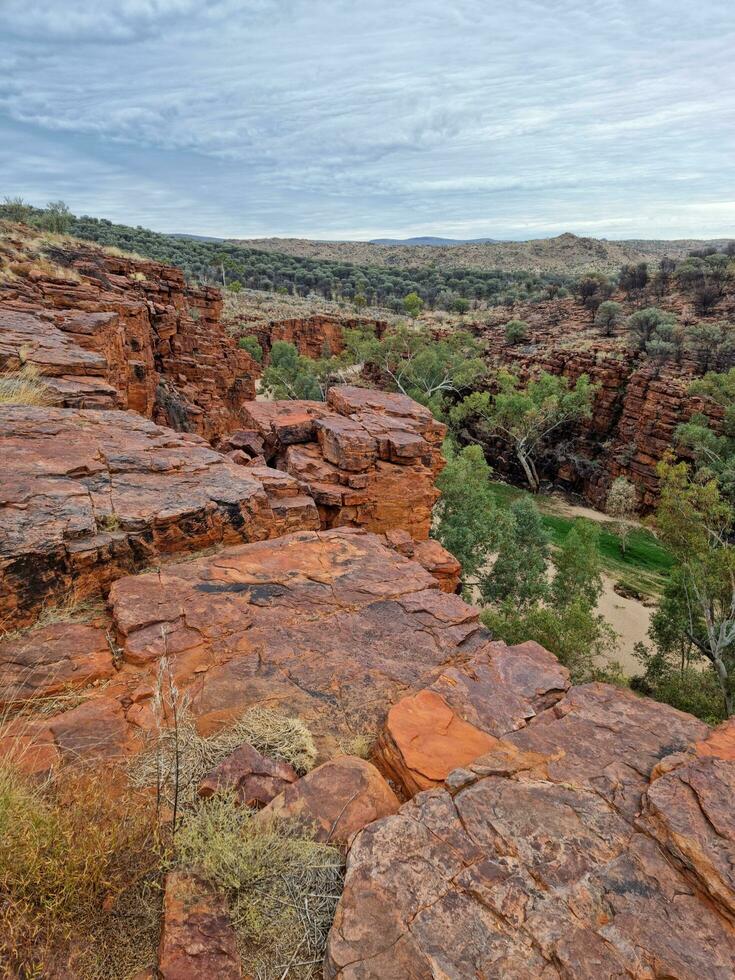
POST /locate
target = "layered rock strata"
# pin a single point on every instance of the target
(366, 457)
(118, 332)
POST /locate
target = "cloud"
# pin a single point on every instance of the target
(324, 117)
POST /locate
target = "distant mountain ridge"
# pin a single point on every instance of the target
(566, 254)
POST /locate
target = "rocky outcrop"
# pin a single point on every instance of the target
(118, 332)
(335, 801)
(89, 496)
(639, 403)
(461, 715)
(367, 458)
(331, 626)
(319, 335)
(530, 862)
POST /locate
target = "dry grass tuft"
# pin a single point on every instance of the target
(70, 860)
(181, 756)
(24, 387)
(282, 887)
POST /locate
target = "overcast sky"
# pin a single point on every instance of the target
(307, 118)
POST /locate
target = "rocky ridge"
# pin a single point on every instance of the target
(506, 824)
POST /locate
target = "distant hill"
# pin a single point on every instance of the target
(564, 255)
(433, 242)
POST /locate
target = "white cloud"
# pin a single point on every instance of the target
(310, 118)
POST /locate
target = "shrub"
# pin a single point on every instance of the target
(282, 886)
(69, 862)
(516, 331)
(24, 387)
(251, 345)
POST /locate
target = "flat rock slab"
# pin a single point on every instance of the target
(335, 800)
(90, 495)
(526, 865)
(331, 626)
(197, 938)
(52, 659)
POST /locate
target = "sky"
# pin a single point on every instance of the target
(343, 120)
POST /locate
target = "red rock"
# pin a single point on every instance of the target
(464, 711)
(52, 659)
(424, 740)
(127, 333)
(335, 800)
(689, 811)
(253, 778)
(440, 563)
(527, 865)
(91, 495)
(308, 622)
(197, 938)
(368, 459)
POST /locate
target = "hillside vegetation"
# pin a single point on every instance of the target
(565, 255)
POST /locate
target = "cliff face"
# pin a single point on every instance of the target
(125, 333)
(638, 405)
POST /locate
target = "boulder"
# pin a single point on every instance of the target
(253, 778)
(335, 800)
(197, 937)
(461, 715)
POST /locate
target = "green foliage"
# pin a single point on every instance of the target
(684, 686)
(713, 452)
(651, 327)
(696, 523)
(578, 576)
(292, 375)
(519, 571)
(413, 304)
(559, 614)
(57, 218)
(417, 364)
(466, 515)
(609, 315)
(251, 345)
(16, 209)
(526, 416)
(516, 331)
(200, 260)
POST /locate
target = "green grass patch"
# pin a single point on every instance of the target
(645, 566)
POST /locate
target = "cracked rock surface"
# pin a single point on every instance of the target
(89, 495)
(530, 862)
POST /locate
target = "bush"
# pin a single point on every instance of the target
(251, 345)
(69, 861)
(516, 331)
(282, 886)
